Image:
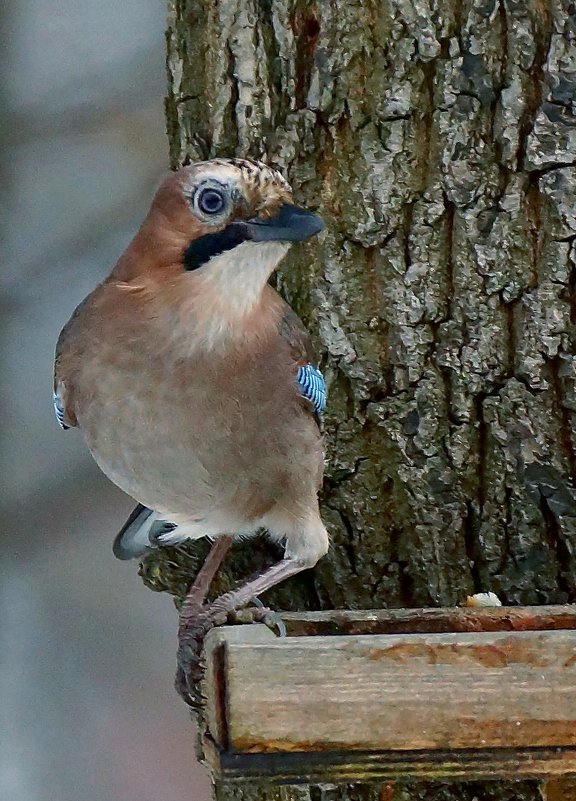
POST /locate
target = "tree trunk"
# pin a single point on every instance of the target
(438, 141)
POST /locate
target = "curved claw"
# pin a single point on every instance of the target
(186, 692)
(272, 619)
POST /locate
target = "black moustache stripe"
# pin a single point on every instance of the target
(201, 250)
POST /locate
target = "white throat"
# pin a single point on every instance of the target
(232, 285)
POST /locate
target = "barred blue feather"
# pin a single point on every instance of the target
(312, 386)
(59, 411)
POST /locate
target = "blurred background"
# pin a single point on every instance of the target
(88, 711)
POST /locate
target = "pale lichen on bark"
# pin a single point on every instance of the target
(438, 141)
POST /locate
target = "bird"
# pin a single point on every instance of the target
(195, 384)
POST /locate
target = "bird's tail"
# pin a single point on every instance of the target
(140, 532)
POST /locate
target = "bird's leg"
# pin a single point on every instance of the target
(191, 635)
(306, 543)
(196, 595)
(270, 578)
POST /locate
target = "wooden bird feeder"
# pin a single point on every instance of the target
(454, 694)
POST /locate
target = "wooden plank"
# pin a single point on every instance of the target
(401, 692)
(276, 713)
(414, 621)
(340, 766)
(214, 685)
(559, 790)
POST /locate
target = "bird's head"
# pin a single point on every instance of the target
(214, 234)
(231, 207)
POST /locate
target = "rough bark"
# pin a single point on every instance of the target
(438, 141)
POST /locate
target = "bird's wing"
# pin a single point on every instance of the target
(64, 415)
(59, 394)
(59, 409)
(66, 353)
(312, 386)
(309, 379)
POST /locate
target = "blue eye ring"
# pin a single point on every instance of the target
(210, 200)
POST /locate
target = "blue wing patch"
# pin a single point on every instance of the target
(312, 386)
(59, 411)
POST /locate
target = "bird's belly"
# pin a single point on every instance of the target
(201, 463)
(160, 462)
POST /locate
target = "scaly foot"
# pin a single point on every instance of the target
(190, 663)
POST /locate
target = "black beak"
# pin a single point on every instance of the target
(290, 224)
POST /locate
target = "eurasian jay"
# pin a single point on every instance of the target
(194, 383)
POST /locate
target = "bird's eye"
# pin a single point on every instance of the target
(211, 201)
